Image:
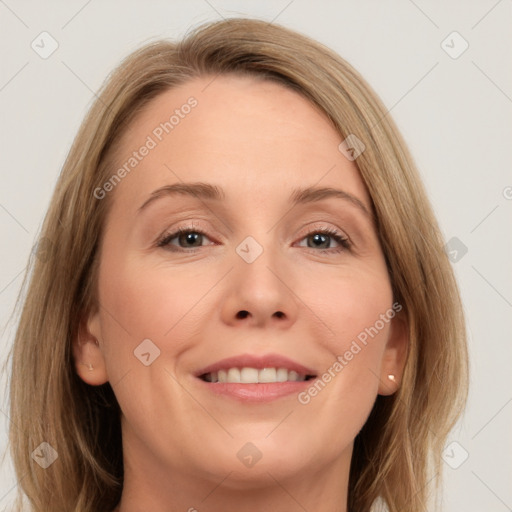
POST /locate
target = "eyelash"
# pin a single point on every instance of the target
(344, 242)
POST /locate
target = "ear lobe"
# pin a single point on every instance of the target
(87, 353)
(395, 355)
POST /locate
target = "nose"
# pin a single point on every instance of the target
(260, 293)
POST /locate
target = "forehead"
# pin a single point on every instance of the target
(239, 132)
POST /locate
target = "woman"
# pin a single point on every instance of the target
(242, 300)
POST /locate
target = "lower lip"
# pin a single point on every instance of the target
(262, 392)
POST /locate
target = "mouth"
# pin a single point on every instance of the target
(255, 378)
(248, 375)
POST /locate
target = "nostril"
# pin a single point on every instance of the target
(242, 314)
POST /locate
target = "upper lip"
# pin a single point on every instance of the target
(256, 361)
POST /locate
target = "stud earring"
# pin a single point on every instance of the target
(90, 367)
(391, 377)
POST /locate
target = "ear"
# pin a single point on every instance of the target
(395, 355)
(87, 351)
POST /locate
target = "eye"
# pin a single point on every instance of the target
(322, 239)
(187, 238)
(192, 238)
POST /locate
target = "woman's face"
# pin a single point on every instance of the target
(254, 278)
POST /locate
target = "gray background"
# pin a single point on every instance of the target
(453, 112)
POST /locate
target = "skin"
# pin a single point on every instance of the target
(258, 141)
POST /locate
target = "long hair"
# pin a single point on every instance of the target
(401, 443)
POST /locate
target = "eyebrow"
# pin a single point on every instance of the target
(210, 192)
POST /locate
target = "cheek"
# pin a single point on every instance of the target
(171, 307)
(357, 315)
(355, 306)
(141, 305)
(146, 304)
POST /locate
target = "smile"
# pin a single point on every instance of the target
(248, 375)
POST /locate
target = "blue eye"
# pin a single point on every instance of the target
(322, 236)
(189, 239)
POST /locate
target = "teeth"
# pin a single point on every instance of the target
(254, 375)
(249, 376)
(294, 375)
(234, 375)
(282, 375)
(267, 375)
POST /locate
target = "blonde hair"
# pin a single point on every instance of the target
(402, 440)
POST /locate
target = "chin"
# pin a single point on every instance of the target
(255, 462)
